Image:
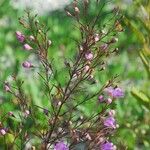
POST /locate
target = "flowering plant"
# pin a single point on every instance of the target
(66, 123)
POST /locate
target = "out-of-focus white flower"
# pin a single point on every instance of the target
(39, 6)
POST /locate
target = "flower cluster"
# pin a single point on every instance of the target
(64, 124)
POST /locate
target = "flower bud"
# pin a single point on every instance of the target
(89, 55)
(10, 113)
(26, 113)
(104, 47)
(27, 47)
(2, 131)
(114, 40)
(112, 113)
(49, 42)
(96, 37)
(109, 101)
(31, 37)
(77, 10)
(86, 68)
(101, 98)
(27, 64)
(20, 37)
(7, 87)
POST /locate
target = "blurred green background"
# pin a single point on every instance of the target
(132, 64)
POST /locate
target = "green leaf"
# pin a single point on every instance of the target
(143, 99)
(139, 34)
(145, 62)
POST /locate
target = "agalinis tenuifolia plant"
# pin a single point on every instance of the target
(64, 122)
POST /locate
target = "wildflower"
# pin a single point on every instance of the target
(31, 37)
(101, 98)
(27, 47)
(7, 87)
(2, 131)
(118, 93)
(61, 146)
(115, 93)
(112, 113)
(110, 122)
(20, 37)
(107, 146)
(89, 56)
(96, 38)
(27, 64)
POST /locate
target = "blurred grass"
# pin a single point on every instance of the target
(130, 114)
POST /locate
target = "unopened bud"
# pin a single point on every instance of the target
(109, 101)
(27, 47)
(77, 10)
(27, 64)
(31, 37)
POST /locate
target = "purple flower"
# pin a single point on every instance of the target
(27, 47)
(118, 93)
(110, 122)
(61, 146)
(107, 146)
(115, 93)
(89, 56)
(101, 98)
(20, 37)
(27, 64)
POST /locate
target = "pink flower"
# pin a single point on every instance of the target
(109, 101)
(77, 10)
(2, 131)
(108, 146)
(20, 37)
(101, 98)
(86, 68)
(112, 113)
(89, 55)
(27, 64)
(96, 38)
(115, 92)
(10, 113)
(7, 87)
(27, 47)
